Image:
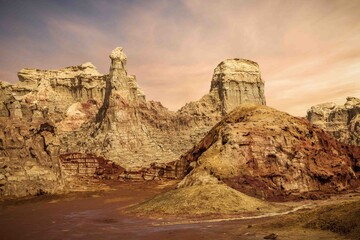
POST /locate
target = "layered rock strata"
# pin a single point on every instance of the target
(270, 154)
(235, 81)
(341, 121)
(142, 129)
(98, 118)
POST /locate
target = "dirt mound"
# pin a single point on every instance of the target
(263, 152)
(203, 200)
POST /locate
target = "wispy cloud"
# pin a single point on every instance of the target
(308, 51)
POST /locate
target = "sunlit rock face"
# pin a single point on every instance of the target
(29, 162)
(97, 119)
(135, 133)
(341, 121)
(271, 154)
(237, 81)
(35, 113)
(126, 86)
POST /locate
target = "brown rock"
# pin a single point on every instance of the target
(267, 153)
(271, 236)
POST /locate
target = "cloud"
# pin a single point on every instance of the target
(308, 51)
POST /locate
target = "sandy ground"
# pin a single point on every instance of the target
(99, 215)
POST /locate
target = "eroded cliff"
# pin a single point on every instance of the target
(102, 125)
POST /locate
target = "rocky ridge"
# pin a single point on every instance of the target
(341, 121)
(270, 154)
(102, 125)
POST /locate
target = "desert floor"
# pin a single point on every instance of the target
(100, 215)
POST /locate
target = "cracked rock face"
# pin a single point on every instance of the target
(341, 121)
(29, 162)
(270, 154)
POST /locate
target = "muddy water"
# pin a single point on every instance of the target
(98, 215)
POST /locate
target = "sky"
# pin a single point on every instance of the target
(308, 50)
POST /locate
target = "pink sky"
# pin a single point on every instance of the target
(308, 51)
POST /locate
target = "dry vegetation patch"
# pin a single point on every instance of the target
(341, 218)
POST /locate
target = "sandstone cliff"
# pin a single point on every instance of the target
(267, 153)
(103, 126)
(343, 122)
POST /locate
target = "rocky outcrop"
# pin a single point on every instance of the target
(29, 161)
(49, 94)
(235, 81)
(99, 119)
(341, 121)
(270, 154)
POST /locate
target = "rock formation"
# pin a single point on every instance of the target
(270, 154)
(102, 126)
(142, 129)
(238, 81)
(32, 114)
(343, 122)
(29, 161)
(235, 81)
(60, 128)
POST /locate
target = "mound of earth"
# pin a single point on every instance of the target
(203, 200)
(263, 152)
